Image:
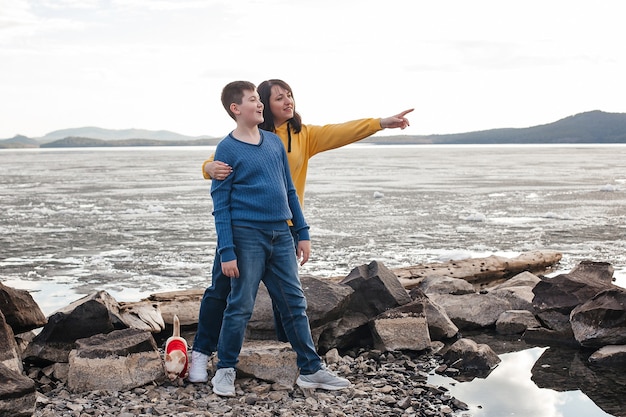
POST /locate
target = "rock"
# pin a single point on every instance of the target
(326, 302)
(347, 332)
(524, 279)
(20, 310)
(601, 320)
(519, 297)
(270, 361)
(376, 289)
(17, 393)
(402, 328)
(472, 311)
(440, 327)
(117, 361)
(467, 355)
(516, 322)
(9, 351)
(97, 313)
(445, 285)
(610, 356)
(556, 297)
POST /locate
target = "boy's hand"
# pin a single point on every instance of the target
(304, 251)
(230, 269)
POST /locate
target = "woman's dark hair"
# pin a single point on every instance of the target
(265, 91)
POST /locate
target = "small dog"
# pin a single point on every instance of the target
(176, 359)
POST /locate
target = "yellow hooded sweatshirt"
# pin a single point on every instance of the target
(315, 139)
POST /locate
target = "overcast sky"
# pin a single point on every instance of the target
(161, 64)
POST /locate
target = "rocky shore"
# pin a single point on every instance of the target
(383, 384)
(384, 330)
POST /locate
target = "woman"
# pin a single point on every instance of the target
(301, 143)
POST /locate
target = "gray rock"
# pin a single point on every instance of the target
(376, 289)
(20, 310)
(326, 302)
(97, 313)
(440, 326)
(610, 356)
(17, 394)
(523, 279)
(402, 328)
(601, 320)
(116, 361)
(446, 285)
(9, 351)
(467, 355)
(270, 361)
(516, 322)
(472, 311)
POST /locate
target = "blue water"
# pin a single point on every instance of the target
(134, 221)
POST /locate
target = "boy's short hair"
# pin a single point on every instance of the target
(233, 93)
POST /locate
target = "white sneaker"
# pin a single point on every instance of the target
(197, 369)
(224, 382)
(323, 379)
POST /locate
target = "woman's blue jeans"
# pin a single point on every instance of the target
(268, 256)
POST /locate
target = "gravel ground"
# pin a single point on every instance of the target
(383, 384)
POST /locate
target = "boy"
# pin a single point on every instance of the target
(252, 207)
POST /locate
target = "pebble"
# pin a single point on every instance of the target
(383, 385)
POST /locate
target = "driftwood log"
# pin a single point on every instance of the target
(481, 271)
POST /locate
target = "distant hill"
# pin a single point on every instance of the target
(120, 134)
(590, 127)
(78, 142)
(19, 141)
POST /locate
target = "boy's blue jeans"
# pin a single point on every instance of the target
(212, 309)
(268, 256)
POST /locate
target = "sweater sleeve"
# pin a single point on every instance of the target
(220, 193)
(327, 137)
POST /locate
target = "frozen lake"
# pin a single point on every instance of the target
(134, 221)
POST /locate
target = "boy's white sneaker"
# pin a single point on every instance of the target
(323, 379)
(224, 382)
(197, 368)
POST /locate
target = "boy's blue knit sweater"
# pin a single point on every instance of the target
(258, 193)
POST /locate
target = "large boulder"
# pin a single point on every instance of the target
(556, 297)
(401, 328)
(471, 357)
(20, 310)
(270, 361)
(326, 302)
(613, 356)
(17, 393)
(97, 313)
(516, 322)
(472, 311)
(440, 327)
(376, 289)
(445, 285)
(523, 279)
(9, 351)
(117, 361)
(601, 320)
